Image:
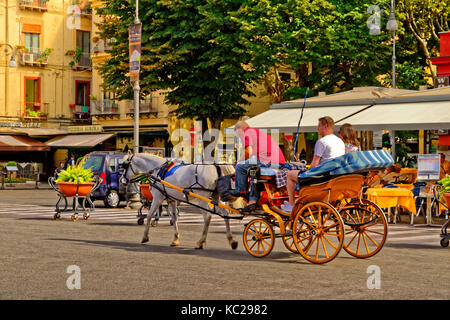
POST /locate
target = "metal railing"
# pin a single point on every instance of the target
(40, 4)
(145, 106)
(99, 107)
(85, 60)
(33, 56)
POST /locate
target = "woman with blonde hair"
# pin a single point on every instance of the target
(348, 134)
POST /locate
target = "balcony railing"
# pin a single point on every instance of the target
(81, 113)
(33, 56)
(39, 5)
(145, 106)
(36, 110)
(104, 107)
(83, 63)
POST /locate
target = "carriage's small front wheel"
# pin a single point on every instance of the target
(288, 240)
(258, 238)
(318, 232)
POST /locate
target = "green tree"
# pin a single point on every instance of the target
(195, 49)
(424, 19)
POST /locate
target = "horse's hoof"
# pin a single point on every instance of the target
(154, 223)
(234, 245)
(199, 246)
(175, 244)
(144, 240)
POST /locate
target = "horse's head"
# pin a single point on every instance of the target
(135, 164)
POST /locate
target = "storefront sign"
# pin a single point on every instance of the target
(134, 39)
(377, 139)
(160, 152)
(122, 142)
(19, 124)
(84, 129)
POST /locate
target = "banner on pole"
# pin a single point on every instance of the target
(134, 38)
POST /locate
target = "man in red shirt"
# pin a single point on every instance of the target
(260, 149)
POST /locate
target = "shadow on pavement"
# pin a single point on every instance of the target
(223, 254)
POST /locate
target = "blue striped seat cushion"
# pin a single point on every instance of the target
(354, 162)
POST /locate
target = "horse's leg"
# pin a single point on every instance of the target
(157, 200)
(173, 219)
(207, 220)
(233, 243)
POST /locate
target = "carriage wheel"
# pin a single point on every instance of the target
(365, 228)
(318, 232)
(258, 238)
(288, 241)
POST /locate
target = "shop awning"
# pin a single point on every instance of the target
(78, 140)
(430, 115)
(35, 132)
(286, 119)
(21, 143)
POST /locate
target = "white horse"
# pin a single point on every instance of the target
(186, 176)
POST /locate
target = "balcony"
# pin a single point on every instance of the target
(81, 113)
(37, 5)
(146, 107)
(101, 45)
(104, 108)
(81, 61)
(34, 57)
(35, 111)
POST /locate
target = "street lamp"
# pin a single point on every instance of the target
(392, 26)
(12, 62)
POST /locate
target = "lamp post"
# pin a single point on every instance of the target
(136, 90)
(12, 63)
(392, 26)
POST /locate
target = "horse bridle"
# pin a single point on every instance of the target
(127, 165)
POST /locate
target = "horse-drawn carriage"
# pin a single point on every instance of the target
(330, 211)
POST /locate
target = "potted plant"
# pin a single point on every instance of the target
(73, 178)
(445, 189)
(70, 52)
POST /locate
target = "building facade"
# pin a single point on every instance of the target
(50, 42)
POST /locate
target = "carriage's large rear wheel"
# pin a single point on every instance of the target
(259, 238)
(318, 232)
(365, 228)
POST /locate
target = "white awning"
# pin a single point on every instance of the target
(403, 116)
(286, 119)
(78, 140)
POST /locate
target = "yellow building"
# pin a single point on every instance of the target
(49, 88)
(156, 124)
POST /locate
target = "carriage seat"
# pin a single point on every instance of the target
(350, 163)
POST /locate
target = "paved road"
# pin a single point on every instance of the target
(36, 252)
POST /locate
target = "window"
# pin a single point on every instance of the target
(82, 91)
(33, 93)
(84, 42)
(112, 165)
(95, 163)
(32, 42)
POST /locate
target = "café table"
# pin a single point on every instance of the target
(392, 197)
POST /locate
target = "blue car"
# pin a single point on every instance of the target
(106, 165)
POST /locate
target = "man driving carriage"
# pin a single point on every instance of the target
(259, 149)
